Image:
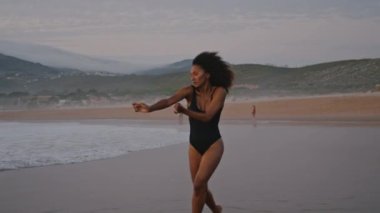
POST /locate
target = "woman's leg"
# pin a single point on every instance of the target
(194, 160)
(211, 203)
(206, 167)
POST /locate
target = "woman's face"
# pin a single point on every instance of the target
(198, 76)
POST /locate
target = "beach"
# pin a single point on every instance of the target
(348, 107)
(268, 168)
(273, 165)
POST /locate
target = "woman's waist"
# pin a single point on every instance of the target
(199, 126)
(204, 131)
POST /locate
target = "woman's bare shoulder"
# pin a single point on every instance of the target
(220, 90)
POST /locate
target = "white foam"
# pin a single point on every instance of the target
(38, 144)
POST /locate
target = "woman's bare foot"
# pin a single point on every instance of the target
(218, 209)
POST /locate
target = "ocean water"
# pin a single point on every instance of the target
(31, 144)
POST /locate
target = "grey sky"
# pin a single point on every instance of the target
(292, 32)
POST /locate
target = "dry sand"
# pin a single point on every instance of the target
(355, 107)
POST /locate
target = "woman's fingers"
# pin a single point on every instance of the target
(175, 108)
(135, 106)
(178, 108)
(138, 106)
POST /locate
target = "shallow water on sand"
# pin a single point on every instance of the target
(300, 168)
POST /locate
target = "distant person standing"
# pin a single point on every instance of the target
(254, 115)
(254, 111)
(211, 78)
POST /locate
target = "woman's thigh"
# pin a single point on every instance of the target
(209, 161)
(194, 161)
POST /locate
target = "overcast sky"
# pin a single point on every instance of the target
(282, 32)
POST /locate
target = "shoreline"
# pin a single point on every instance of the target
(224, 124)
(354, 107)
(331, 121)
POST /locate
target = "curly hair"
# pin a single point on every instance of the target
(219, 70)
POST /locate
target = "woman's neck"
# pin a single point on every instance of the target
(205, 88)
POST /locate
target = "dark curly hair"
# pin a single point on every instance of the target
(219, 70)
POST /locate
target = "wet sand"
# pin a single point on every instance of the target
(270, 168)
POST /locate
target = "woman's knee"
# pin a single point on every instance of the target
(200, 185)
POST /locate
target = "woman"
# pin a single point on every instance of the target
(211, 78)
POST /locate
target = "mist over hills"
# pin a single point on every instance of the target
(251, 80)
(176, 67)
(54, 57)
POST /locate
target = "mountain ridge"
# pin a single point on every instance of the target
(175, 67)
(253, 80)
(59, 58)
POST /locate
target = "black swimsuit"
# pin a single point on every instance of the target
(203, 134)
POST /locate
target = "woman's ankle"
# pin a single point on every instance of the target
(217, 209)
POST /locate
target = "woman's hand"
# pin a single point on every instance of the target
(178, 108)
(141, 107)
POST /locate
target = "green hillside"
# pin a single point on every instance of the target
(334, 77)
(17, 74)
(250, 79)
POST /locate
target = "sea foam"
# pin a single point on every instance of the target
(26, 144)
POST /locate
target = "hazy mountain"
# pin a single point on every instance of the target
(63, 59)
(171, 68)
(16, 74)
(251, 80)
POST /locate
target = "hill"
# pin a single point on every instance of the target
(333, 77)
(54, 57)
(176, 67)
(16, 74)
(252, 80)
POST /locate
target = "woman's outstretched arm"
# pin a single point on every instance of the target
(215, 105)
(163, 103)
